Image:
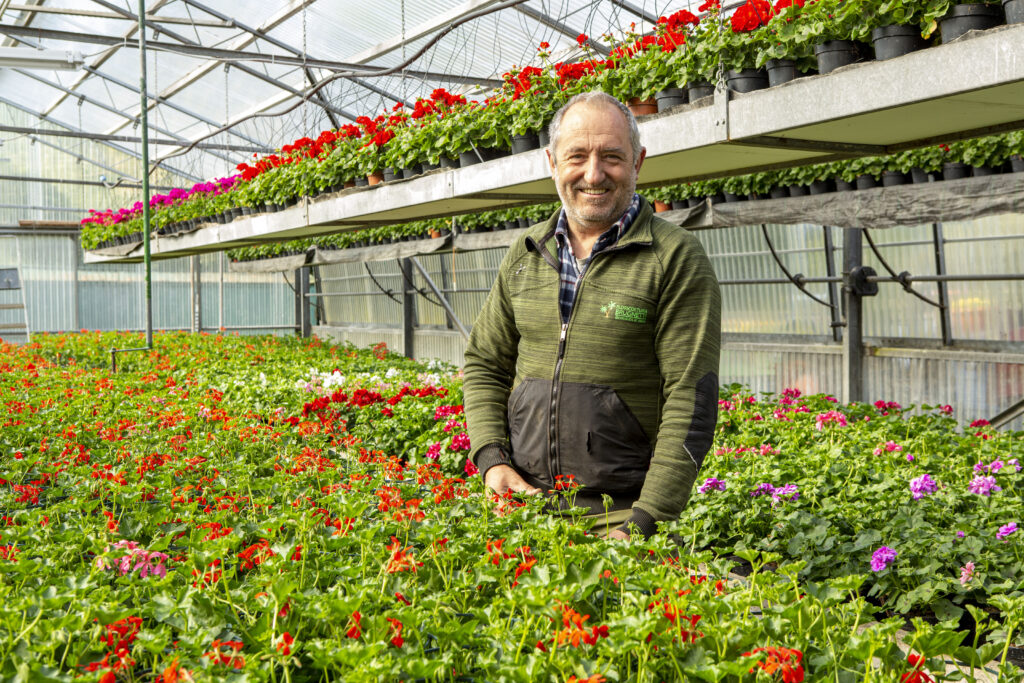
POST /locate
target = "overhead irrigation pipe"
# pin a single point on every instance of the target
(145, 194)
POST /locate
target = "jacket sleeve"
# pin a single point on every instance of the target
(489, 371)
(687, 343)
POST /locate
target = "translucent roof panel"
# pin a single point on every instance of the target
(198, 94)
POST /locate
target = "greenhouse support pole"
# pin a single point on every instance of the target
(853, 337)
(145, 174)
(408, 309)
(220, 292)
(943, 289)
(197, 293)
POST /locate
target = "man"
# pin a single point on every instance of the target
(596, 352)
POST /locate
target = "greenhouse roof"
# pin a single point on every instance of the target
(209, 68)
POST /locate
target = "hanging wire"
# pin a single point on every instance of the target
(389, 292)
(422, 292)
(797, 279)
(305, 104)
(902, 278)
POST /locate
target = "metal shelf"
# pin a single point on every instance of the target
(973, 86)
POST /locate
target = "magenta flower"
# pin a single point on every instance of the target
(966, 574)
(832, 416)
(1006, 530)
(711, 484)
(434, 452)
(882, 558)
(460, 442)
(787, 492)
(765, 489)
(923, 486)
(983, 486)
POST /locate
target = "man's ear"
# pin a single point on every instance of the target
(551, 161)
(640, 159)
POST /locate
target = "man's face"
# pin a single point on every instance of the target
(595, 171)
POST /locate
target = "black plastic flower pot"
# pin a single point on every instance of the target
(448, 162)
(523, 222)
(730, 197)
(390, 174)
(693, 201)
(963, 18)
(978, 171)
(510, 225)
(834, 54)
(699, 90)
(412, 171)
(362, 181)
(799, 190)
(525, 143)
(428, 167)
(670, 97)
(781, 71)
(1014, 11)
(895, 40)
(492, 153)
(844, 185)
(779, 192)
(246, 210)
(891, 178)
(756, 196)
(1017, 163)
(746, 80)
(866, 182)
(236, 212)
(953, 170)
(678, 204)
(919, 175)
(822, 186)
(542, 137)
(717, 198)
(468, 158)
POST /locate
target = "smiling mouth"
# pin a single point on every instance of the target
(592, 191)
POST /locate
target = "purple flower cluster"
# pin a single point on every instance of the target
(780, 493)
(882, 558)
(1006, 530)
(923, 486)
(711, 484)
(983, 486)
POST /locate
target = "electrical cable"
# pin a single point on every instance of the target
(389, 292)
(418, 290)
(795, 279)
(902, 277)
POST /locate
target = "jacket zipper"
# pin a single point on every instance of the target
(553, 457)
(553, 420)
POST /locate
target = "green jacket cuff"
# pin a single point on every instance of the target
(643, 521)
(489, 456)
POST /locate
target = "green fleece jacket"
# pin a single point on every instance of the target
(624, 397)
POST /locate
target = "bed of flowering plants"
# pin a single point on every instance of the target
(278, 509)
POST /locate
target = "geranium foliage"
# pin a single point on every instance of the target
(280, 509)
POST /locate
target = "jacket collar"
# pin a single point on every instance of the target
(541, 237)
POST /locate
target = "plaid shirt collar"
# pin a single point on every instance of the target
(569, 270)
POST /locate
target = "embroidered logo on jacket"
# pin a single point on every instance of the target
(631, 314)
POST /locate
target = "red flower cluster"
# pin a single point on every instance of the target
(520, 82)
(226, 652)
(916, 674)
(780, 660)
(255, 555)
(401, 559)
(751, 15)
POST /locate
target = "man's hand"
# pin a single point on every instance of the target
(618, 535)
(502, 478)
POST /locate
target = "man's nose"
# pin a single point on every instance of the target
(594, 172)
